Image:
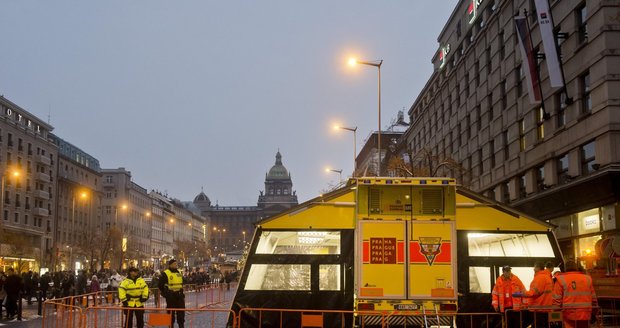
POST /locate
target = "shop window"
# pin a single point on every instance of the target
(588, 158)
(479, 280)
(279, 277)
(588, 221)
(299, 242)
(329, 277)
(509, 245)
(585, 246)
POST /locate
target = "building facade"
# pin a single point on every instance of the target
(556, 161)
(231, 227)
(28, 160)
(78, 208)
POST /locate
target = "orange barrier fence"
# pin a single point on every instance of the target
(59, 313)
(103, 317)
(546, 316)
(259, 317)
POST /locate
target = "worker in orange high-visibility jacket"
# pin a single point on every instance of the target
(506, 285)
(539, 296)
(574, 292)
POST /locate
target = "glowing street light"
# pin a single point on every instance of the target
(354, 130)
(377, 64)
(335, 171)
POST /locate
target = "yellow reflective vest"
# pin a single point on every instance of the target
(133, 292)
(175, 281)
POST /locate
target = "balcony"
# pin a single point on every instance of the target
(41, 194)
(38, 211)
(44, 160)
(43, 177)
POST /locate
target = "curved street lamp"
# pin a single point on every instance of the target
(377, 64)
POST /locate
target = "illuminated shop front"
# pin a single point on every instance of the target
(578, 233)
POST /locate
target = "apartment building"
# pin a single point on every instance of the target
(557, 160)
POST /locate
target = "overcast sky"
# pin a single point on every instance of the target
(191, 94)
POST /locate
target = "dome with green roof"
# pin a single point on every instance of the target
(278, 171)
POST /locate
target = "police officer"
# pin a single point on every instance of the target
(133, 292)
(171, 287)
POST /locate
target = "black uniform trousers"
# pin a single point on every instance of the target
(138, 312)
(176, 300)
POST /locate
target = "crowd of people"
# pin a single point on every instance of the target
(32, 287)
(572, 291)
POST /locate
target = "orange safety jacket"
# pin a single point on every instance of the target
(499, 297)
(575, 293)
(541, 292)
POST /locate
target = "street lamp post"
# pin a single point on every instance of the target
(376, 64)
(124, 236)
(335, 171)
(354, 130)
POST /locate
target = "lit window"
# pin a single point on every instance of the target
(299, 242)
(329, 277)
(521, 135)
(479, 280)
(540, 124)
(509, 245)
(279, 277)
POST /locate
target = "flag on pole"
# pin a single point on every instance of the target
(529, 60)
(545, 22)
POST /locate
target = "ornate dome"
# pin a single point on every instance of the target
(278, 171)
(202, 198)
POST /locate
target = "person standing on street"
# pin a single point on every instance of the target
(133, 293)
(171, 287)
(574, 292)
(539, 295)
(13, 285)
(505, 286)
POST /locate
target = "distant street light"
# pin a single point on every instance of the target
(335, 171)
(376, 64)
(354, 130)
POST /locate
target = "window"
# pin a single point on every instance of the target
(586, 98)
(279, 277)
(588, 157)
(519, 81)
(522, 186)
(505, 144)
(509, 245)
(329, 277)
(108, 179)
(299, 242)
(490, 106)
(466, 86)
(492, 152)
(560, 108)
(502, 94)
(458, 95)
(540, 123)
(533, 13)
(540, 178)
(562, 166)
(489, 62)
(479, 280)
(477, 73)
(506, 192)
(478, 118)
(480, 162)
(467, 128)
(581, 14)
(502, 47)
(521, 135)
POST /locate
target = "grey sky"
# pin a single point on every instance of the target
(187, 94)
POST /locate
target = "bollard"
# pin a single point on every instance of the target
(40, 303)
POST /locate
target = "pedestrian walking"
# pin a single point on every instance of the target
(13, 286)
(171, 287)
(95, 288)
(539, 296)
(502, 300)
(133, 293)
(45, 285)
(574, 292)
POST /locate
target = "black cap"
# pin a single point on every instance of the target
(133, 269)
(506, 268)
(171, 261)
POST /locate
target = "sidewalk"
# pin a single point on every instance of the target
(29, 314)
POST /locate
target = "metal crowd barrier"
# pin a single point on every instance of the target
(552, 316)
(113, 317)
